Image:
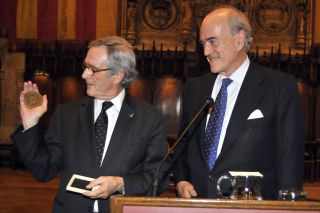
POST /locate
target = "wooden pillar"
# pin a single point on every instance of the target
(316, 23)
(13, 66)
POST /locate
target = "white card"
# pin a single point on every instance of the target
(244, 173)
(78, 183)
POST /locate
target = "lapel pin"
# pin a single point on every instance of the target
(131, 115)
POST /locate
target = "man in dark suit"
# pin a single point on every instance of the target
(262, 124)
(131, 148)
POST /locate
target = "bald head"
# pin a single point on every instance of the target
(225, 37)
(234, 19)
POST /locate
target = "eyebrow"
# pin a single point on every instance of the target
(90, 65)
(208, 39)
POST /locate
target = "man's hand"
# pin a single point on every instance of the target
(104, 186)
(185, 189)
(30, 117)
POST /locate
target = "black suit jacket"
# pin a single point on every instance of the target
(272, 145)
(137, 146)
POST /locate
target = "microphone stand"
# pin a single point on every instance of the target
(155, 183)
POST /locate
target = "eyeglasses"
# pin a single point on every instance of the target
(93, 69)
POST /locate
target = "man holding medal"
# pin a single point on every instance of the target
(108, 136)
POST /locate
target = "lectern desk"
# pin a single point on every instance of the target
(128, 204)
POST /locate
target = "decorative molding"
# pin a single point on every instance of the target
(132, 22)
(273, 16)
(302, 23)
(174, 23)
(167, 22)
(159, 14)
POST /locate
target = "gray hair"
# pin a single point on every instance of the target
(239, 21)
(121, 57)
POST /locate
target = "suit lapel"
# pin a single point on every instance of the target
(124, 122)
(248, 98)
(86, 112)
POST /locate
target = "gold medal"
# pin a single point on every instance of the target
(32, 99)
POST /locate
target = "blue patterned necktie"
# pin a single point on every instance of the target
(100, 127)
(213, 130)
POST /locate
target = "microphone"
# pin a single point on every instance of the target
(208, 102)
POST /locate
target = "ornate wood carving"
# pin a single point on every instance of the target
(132, 22)
(159, 14)
(272, 17)
(166, 22)
(175, 22)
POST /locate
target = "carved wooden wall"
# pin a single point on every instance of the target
(174, 22)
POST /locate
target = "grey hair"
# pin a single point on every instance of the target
(239, 21)
(121, 57)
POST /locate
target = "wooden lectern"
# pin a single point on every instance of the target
(126, 204)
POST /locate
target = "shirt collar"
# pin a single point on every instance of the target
(239, 74)
(117, 101)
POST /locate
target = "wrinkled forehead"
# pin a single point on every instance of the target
(214, 24)
(97, 55)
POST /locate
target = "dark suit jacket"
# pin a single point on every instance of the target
(272, 145)
(137, 146)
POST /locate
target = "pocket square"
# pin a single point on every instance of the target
(255, 114)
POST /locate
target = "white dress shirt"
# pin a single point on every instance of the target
(113, 114)
(233, 90)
